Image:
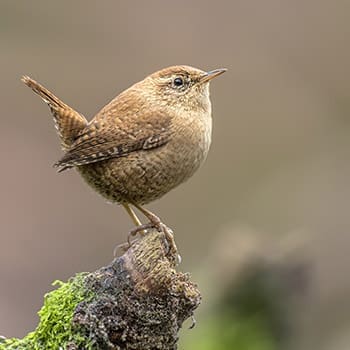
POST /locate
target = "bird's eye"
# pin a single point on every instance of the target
(178, 82)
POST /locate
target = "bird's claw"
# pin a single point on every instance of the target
(139, 229)
(157, 224)
(169, 237)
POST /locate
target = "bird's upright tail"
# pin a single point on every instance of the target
(68, 122)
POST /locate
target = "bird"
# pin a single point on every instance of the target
(146, 141)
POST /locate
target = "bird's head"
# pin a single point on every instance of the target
(181, 87)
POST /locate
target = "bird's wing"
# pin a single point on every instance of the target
(118, 137)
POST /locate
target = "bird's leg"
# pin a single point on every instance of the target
(154, 219)
(157, 223)
(140, 229)
(132, 214)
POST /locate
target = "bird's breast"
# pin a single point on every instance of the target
(190, 142)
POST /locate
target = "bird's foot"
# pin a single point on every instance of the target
(123, 247)
(168, 233)
(155, 222)
(170, 240)
(142, 229)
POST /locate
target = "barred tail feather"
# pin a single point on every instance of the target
(68, 122)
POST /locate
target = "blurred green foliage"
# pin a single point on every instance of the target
(253, 312)
(226, 331)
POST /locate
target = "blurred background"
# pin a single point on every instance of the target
(263, 226)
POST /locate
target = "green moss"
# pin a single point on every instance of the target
(55, 329)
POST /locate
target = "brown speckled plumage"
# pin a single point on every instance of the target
(146, 141)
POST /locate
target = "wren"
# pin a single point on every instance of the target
(145, 142)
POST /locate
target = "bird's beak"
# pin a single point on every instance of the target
(211, 74)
